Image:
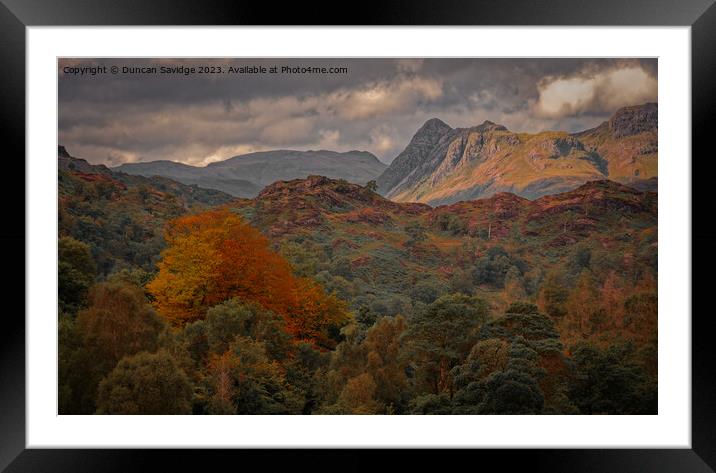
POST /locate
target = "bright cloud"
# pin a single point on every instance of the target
(601, 92)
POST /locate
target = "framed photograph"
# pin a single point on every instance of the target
(463, 227)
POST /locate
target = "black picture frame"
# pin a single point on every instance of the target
(16, 15)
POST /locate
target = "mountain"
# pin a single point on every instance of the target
(246, 175)
(628, 142)
(442, 165)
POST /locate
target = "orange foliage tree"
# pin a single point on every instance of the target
(215, 256)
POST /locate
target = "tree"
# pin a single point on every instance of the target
(495, 265)
(358, 397)
(426, 291)
(416, 233)
(371, 186)
(215, 256)
(212, 257)
(443, 334)
(580, 260)
(449, 222)
(520, 319)
(377, 353)
(535, 352)
(384, 361)
(244, 380)
(118, 322)
(509, 386)
(76, 273)
(641, 315)
(315, 313)
(553, 296)
(609, 382)
(301, 371)
(585, 313)
(232, 318)
(145, 383)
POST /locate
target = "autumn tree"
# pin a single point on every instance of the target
(212, 257)
(553, 294)
(376, 353)
(585, 314)
(641, 315)
(314, 313)
(117, 322)
(215, 256)
(358, 397)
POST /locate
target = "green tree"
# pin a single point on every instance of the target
(371, 186)
(509, 387)
(442, 335)
(426, 291)
(226, 321)
(416, 234)
(76, 273)
(610, 382)
(243, 380)
(145, 383)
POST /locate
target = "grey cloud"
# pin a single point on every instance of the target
(377, 106)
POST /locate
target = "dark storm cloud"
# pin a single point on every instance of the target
(377, 106)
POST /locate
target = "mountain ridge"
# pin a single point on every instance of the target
(442, 165)
(245, 175)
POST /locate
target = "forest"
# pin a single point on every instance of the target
(322, 297)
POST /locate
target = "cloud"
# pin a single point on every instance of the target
(409, 65)
(596, 93)
(382, 139)
(376, 107)
(329, 139)
(287, 130)
(385, 97)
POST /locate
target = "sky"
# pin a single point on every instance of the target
(374, 105)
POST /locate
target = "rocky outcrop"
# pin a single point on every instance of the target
(630, 121)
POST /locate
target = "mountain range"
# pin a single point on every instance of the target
(442, 165)
(245, 175)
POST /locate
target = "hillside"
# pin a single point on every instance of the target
(121, 216)
(377, 253)
(319, 296)
(246, 175)
(443, 165)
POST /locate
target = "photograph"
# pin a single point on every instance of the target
(357, 235)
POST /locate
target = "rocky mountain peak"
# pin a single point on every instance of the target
(629, 121)
(433, 126)
(487, 125)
